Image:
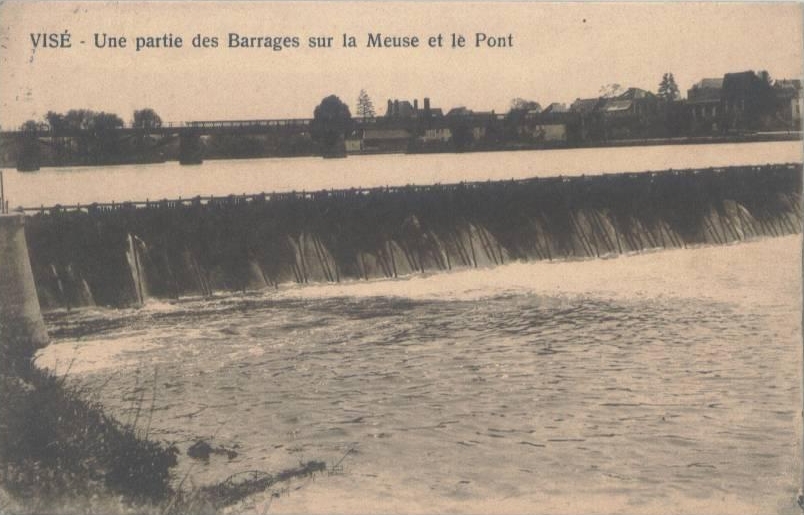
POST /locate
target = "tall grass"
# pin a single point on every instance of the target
(58, 448)
(60, 454)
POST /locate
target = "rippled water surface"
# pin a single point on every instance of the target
(637, 384)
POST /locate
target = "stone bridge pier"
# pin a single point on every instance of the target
(30, 152)
(22, 329)
(191, 148)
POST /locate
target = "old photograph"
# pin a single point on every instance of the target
(400, 257)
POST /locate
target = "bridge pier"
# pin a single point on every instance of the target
(30, 154)
(22, 330)
(191, 148)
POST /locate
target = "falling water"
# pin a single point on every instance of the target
(234, 245)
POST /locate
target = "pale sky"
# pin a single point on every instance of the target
(560, 51)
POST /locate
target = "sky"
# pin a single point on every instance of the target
(559, 52)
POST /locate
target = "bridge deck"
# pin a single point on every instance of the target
(212, 127)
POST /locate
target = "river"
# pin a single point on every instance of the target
(67, 186)
(628, 385)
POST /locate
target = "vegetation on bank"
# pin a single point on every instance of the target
(60, 454)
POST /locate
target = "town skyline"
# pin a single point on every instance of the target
(381, 106)
(574, 51)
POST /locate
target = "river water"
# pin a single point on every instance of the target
(646, 383)
(68, 186)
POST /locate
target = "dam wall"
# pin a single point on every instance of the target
(121, 255)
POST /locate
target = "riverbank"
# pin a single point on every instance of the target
(759, 137)
(61, 454)
(256, 147)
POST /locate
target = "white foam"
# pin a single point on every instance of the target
(732, 273)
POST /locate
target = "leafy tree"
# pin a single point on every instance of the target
(332, 121)
(104, 142)
(761, 101)
(104, 122)
(611, 90)
(78, 118)
(30, 126)
(56, 121)
(668, 90)
(750, 101)
(146, 119)
(74, 119)
(365, 107)
(83, 119)
(97, 140)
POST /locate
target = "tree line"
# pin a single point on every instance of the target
(93, 121)
(95, 137)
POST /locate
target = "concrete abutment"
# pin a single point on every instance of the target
(22, 329)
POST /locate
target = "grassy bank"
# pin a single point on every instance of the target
(60, 454)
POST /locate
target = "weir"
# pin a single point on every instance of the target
(120, 254)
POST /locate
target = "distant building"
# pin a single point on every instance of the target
(633, 114)
(385, 140)
(703, 103)
(748, 102)
(406, 110)
(735, 99)
(402, 109)
(635, 103)
(436, 135)
(546, 132)
(585, 106)
(548, 125)
(431, 113)
(636, 94)
(459, 111)
(354, 144)
(556, 108)
(620, 108)
(790, 102)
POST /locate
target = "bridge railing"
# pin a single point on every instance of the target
(289, 122)
(45, 129)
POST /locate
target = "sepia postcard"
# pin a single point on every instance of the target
(400, 257)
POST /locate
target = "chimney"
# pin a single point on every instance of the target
(426, 107)
(390, 111)
(396, 107)
(415, 105)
